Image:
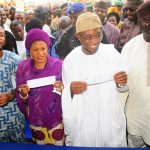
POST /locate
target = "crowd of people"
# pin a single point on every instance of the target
(67, 69)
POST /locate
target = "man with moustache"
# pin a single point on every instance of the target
(11, 119)
(91, 105)
(130, 27)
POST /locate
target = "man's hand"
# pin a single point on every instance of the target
(78, 87)
(120, 78)
(5, 98)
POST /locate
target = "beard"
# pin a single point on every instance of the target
(1, 48)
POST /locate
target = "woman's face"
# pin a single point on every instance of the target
(113, 20)
(39, 51)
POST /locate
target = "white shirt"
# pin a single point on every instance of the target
(21, 49)
(93, 118)
(47, 29)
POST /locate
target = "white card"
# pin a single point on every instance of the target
(41, 82)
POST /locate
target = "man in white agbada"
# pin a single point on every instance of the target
(137, 54)
(91, 106)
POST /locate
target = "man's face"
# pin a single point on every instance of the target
(145, 24)
(2, 38)
(2, 16)
(74, 18)
(12, 14)
(20, 17)
(90, 40)
(56, 11)
(6, 9)
(102, 13)
(64, 24)
(64, 10)
(131, 13)
(18, 32)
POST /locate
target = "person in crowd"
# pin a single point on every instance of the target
(34, 23)
(41, 105)
(11, 119)
(17, 29)
(19, 15)
(88, 7)
(30, 14)
(111, 32)
(64, 7)
(6, 9)
(8, 21)
(114, 19)
(117, 8)
(12, 13)
(64, 23)
(43, 14)
(3, 20)
(56, 14)
(91, 73)
(130, 27)
(10, 43)
(137, 54)
(69, 41)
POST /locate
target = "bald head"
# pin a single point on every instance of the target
(2, 16)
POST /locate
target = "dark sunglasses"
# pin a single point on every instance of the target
(130, 9)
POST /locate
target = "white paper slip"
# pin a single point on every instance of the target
(90, 84)
(41, 82)
(100, 80)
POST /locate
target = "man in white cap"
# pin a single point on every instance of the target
(91, 106)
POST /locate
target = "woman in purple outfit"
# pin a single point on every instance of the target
(41, 105)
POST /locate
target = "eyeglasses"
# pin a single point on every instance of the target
(130, 9)
(90, 37)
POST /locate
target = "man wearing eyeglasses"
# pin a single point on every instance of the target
(130, 27)
(137, 53)
(90, 101)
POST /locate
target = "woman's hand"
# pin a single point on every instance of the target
(58, 85)
(23, 90)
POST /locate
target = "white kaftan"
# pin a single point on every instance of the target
(93, 118)
(138, 103)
